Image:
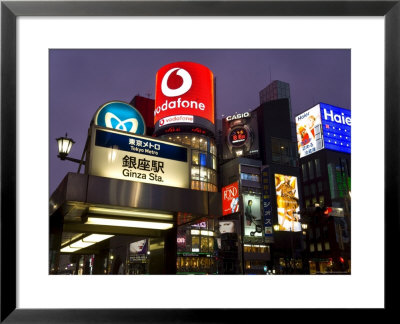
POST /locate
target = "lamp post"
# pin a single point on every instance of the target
(64, 147)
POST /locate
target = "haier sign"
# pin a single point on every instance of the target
(323, 126)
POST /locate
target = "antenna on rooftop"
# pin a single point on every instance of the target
(270, 75)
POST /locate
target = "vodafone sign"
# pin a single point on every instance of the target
(184, 96)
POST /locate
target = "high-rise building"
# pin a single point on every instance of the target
(278, 90)
(260, 156)
(324, 144)
(274, 91)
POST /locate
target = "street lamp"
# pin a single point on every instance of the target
(276, 227)
(64, 147)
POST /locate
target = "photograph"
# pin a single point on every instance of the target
(148, 143)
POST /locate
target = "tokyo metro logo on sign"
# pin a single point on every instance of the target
(119, 115)
(184, 88)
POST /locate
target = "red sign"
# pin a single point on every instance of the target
(230, 199)
(184, 88)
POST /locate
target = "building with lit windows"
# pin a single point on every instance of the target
(325, 165)
(258, 153)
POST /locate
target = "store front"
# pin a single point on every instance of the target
(110, 226)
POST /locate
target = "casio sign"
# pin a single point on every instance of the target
(238, 116)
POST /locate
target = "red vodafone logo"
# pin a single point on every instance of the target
(184, 88)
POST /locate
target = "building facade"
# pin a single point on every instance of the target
(324, 144)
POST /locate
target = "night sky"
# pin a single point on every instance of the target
(83, 80)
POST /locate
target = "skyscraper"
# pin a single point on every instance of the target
(278, 90)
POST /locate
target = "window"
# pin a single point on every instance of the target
(250, 177)
(203, 186)
(202, 158)
(317, 168)
(276, 158)
(325, 232)
(213, 149)
(213, 177)
(283, 151)
(306, 190)
(210, 244)
(204, 174)
(320, 186)
(195, 173)
(204, 244)
(214, 163)
(195, 185)
(319, 246)
(327, 246)
(311, 170)
(195, 157)
(195, 142)
(195, 243)
(312, 247)
(317, 233)
(304, 170)
(186, 140)
(203, 144)
(313, 189)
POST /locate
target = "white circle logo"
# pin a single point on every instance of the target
(187, 83)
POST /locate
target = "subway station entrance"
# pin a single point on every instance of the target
(102, 225)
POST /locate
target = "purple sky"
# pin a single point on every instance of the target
(83, 80)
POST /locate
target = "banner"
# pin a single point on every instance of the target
(287, 200)
(230, 199)
(267, 208)
(252, 215)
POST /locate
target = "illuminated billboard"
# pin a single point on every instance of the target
(287, 200)
(323, 126)
(138, 247)
(240, 136)
(267, 207)
(336, 128)
(118, 155)
(184, 97)
(230, 199)
(227, 226)
(252, 215)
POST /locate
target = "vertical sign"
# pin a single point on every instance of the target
(287, 201)
(308, 128)
(230, 199)
(267, 209)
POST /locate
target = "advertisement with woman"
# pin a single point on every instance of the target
(308, 131)
(287, 200)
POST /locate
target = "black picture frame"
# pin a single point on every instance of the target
(10, 10)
